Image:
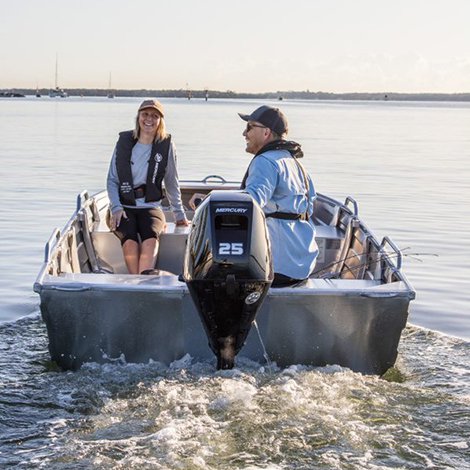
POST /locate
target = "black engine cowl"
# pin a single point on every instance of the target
(228, 269)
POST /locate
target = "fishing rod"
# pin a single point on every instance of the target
(381, 255)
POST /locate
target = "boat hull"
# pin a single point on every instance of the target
(358, 332)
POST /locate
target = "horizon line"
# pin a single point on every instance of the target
(232, 92)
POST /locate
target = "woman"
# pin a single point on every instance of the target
(142, 160)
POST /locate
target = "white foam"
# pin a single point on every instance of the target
(182, 363)
(235, 393)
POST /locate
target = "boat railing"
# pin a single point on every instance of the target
(86, 234)
(328, 211)
(81, 199)
(212, 179)
(220, 179)
(397, 256)
(351, 200)
(51, 243)
(383, 262)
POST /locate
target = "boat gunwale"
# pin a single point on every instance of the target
(144, 283)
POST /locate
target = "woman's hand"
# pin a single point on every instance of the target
(182, 222)
(116, 218)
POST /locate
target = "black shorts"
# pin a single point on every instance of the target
(280, 280)
(143, 223)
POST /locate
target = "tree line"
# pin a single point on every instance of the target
(277, 95)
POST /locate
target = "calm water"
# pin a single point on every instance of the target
(407, 165)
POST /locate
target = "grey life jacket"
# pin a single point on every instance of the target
(156, 169)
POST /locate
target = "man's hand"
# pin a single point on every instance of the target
(195, 200)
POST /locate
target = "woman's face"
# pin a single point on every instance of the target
(148, 121)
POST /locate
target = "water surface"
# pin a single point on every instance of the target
(407, 165)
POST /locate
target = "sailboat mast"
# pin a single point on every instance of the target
(110, 92)
(56, 71)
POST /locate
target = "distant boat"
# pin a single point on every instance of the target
(57, 92)
(11, 94)
(38, 95)
(110, 92)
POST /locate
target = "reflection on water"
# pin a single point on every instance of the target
(189, 416)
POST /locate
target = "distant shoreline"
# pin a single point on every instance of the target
(278, 95)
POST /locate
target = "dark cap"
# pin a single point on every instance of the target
(154, 104)
(272, 118)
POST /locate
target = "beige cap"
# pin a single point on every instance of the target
(154, 104)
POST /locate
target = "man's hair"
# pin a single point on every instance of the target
(276, 136)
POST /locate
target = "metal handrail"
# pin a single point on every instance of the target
(351, 200)
(221, 178)
(53, 239)
(82, 197)
(387, 240)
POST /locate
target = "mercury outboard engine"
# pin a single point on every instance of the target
(228, 269)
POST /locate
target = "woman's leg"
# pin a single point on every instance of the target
(130, 249)
(127, 234)
(148, 254)
(151, 224)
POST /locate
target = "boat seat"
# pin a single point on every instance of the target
(355, 260)
(170, 254)
(108, 252)
(330, 241)
(172, 248)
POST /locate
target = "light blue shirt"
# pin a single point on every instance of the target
(277, 184)
(139, 166)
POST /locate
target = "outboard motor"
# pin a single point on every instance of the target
(228, 269)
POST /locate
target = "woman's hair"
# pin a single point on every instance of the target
(161, 129)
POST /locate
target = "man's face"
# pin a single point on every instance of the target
(256, 136)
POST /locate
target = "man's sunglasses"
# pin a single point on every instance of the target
(250, 126)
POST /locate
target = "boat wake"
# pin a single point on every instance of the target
(188, 415)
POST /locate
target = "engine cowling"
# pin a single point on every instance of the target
(228, 269)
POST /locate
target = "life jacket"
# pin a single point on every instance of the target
(155, 173)
(296, 152)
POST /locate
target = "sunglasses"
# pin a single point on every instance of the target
(250, 126)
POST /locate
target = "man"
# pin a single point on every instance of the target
(281, 186)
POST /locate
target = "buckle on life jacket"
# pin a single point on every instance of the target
(139, 192)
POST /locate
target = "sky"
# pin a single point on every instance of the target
(339, 46)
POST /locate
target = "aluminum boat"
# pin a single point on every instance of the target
(211, 296)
